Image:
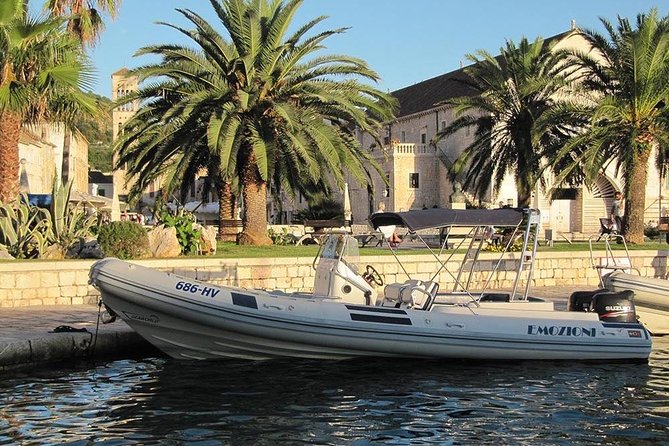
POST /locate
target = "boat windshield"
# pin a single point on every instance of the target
(341, 247)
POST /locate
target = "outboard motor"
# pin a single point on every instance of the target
(615, 307)
(582, 300)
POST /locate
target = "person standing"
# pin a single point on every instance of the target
(617, 211)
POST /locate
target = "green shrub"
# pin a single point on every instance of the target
(184, 223)
(282, 237)
(320, 208)
(123, 239)
(651, 232)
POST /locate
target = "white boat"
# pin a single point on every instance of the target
(648, 291)
(651, 297)
(651, 294)
(346, 317)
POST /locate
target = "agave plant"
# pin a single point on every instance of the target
(23, 228)
(68, 224)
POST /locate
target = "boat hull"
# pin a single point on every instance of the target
(190, 319)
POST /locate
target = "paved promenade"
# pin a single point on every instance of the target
(27, 337)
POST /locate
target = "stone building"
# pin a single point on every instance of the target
(417, 169)
(41, 158)
(100, 184)
(122, 85)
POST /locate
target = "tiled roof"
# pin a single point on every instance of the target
(121, 72)
(97, 177)
(28, 136)
(427, 94)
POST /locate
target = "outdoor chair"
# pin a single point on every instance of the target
(606, 227)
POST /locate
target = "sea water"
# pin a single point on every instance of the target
(356, 402)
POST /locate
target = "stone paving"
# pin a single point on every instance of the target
(27, 337)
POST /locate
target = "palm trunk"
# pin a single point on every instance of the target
(254, 194)
(10, 131)
(524, 195)
(65, 165)
(635, 203)
(227, 223)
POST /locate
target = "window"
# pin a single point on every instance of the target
(443, 125)
(101, 192)
(388, 186)
(467, 131)
(423, 138)
(403, 137)
(386, 140)
(413, 181)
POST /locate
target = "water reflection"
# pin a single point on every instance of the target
(158, 401)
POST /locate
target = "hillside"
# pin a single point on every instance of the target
(98, 132)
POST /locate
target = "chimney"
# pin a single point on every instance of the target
(573, 24)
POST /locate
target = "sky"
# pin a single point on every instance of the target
(404, 41)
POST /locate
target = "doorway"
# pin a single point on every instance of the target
(561, 215)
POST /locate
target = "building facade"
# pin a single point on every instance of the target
(123, 84)
(41, 158)
(416, 168)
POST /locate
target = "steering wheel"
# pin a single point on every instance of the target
(372, 275)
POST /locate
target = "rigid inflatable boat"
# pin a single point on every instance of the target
(352, 313)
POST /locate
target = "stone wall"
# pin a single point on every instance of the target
(34, 283)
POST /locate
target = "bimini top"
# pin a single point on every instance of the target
(439, 218)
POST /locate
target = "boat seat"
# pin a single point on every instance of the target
(414, 294)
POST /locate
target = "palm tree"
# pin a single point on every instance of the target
(84, 21)
(509, 95)
(42, 71)
(273, 109)
(176, 155)
(84, 17)
(627, 73)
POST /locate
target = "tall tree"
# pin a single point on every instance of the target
(509, 95)
(84, 21)
(42, 71)
(627, 75)
(84, 17)
(273, 108)
(158, 146)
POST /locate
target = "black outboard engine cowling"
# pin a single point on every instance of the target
(615, 307)
(582, 300)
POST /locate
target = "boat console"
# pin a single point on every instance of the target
(337, 271)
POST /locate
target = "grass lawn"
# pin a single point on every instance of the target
(230, 250)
